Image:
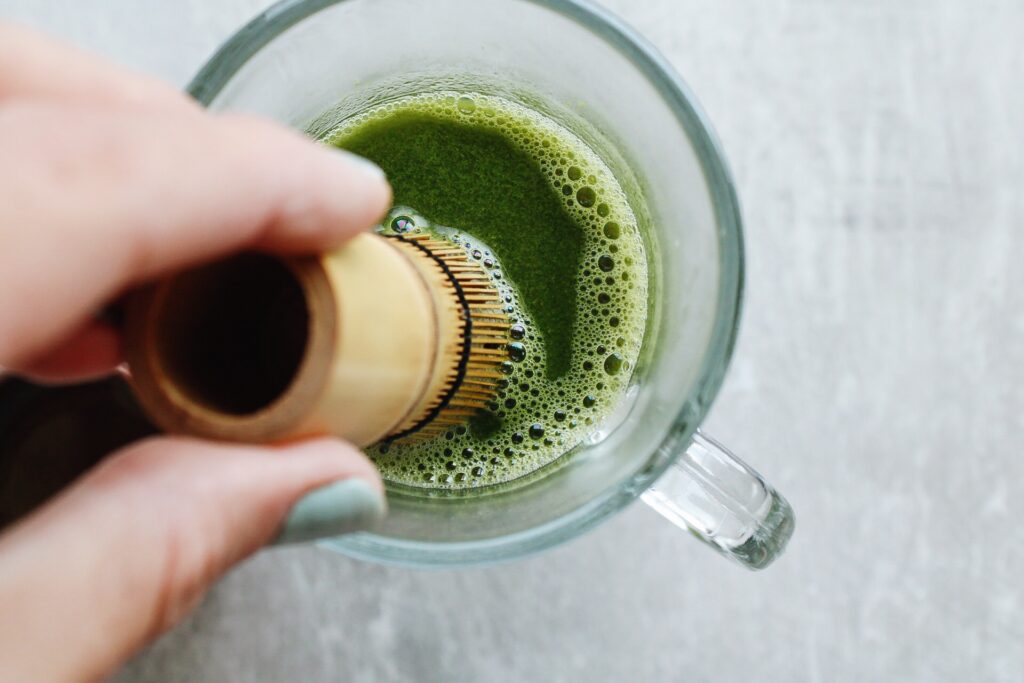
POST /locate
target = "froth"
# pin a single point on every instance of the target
(535, 418)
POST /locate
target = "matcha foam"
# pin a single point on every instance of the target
(544, 215)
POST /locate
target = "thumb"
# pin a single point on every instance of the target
(132, 547)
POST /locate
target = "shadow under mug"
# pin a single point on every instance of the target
(311, 63)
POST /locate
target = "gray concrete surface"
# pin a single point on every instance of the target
(878, 150)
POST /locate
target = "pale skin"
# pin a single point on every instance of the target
(109, 179)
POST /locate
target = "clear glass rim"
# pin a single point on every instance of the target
(278, 18)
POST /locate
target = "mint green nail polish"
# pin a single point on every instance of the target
(332, 510)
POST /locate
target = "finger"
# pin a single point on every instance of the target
(129, 550)
(125, 195)
(35, 66)
(93, 350)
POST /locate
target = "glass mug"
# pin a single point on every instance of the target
(311, 63)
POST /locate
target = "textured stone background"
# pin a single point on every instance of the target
(879, 150)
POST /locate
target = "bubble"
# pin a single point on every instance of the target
(477, 471)
(460, 477)
(517, 437)
(559, 415)
(477, 255)
(613, 363)
(603, 210)
(586, 196)
(507, 367)
(516, 351)
(589, 400)
(402, 224)
(567, 190)
(575, 173)
(517, 331)
(510, 403)
(612, 230)
(466, 105)
(467, 452)
(603, 298)
(613, 321)
(605, 263)
(450, 465)
(536, 430)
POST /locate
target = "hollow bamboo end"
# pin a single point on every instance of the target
(236, 351)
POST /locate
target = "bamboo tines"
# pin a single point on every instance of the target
(488, 328)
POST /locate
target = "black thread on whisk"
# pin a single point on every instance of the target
(460, 373)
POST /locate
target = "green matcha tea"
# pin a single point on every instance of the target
(546, 218)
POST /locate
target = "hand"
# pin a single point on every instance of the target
(108, 179)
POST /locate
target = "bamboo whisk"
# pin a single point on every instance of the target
(387, 338)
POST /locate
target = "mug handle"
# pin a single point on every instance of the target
(725, 503)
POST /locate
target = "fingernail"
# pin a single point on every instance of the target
(333, 510)
(362, 163)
